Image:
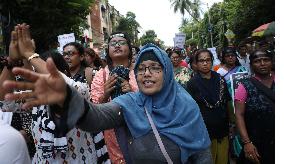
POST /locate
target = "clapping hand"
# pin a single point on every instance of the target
(21, 45)
(46, 89)
(26, 44)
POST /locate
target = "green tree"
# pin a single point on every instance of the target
(191, 7)
(244, 16)
(47, 18)
(241, 16)
(129, 25)
(149, 37)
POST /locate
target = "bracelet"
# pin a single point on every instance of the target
(35, 55)
(247, 142)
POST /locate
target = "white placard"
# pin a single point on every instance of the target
(216, 61)
(179, 40)
(64, 39)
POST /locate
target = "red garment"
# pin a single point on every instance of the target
(183, 64)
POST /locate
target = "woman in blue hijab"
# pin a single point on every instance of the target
(179, 134)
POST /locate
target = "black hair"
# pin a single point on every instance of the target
(137, 49)
(148, 55)
(95, 56)
(79, 47)
(198, 52)
(128, 40)
(58, 60)
(229, 50)
(177, 51)
(254, 55)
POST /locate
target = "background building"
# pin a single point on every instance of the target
(102, 20)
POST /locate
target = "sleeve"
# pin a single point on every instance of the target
(89, 117)
(97, 86)
(82, 88)
(241, 93)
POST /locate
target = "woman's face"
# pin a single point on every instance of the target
(204, 62)
(176, 59)
(72, 57)
(230, 59)
(118, 48)
(89, 59)
(262, 65)
(150, 77)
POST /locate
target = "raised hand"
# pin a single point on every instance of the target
(26, 45)
(13, 47)
(46, 89)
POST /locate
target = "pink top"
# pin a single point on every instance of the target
(97, 86)
(241, 92)
(183, 64)
(97, 90)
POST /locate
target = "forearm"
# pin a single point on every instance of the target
(101, 117)
(87, 116)
(38, 64)
(242, 127)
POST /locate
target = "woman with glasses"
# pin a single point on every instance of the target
(73, 54)
(230, 65)
(162, 122)
(210, 92)
(115, 79)
(182, 74)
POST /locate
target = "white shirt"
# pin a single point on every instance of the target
(245, 62)
(13, 148)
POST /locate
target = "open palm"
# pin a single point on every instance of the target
(46, 89)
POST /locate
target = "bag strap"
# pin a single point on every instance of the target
(158, 138)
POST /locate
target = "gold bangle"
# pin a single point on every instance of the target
(35, 55)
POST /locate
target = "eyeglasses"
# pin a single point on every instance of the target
(117, 43)
(155, 69)
(69, 53)
(204, 60)
(175, 58)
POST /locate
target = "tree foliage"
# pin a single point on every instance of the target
(47, 18)
(192, 7)
(241, 16)
(129, 25)
(148, 37)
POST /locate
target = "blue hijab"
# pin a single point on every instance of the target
(174, 112)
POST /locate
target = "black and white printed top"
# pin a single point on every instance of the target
(76, 146)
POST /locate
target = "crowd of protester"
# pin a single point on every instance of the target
(129, 104)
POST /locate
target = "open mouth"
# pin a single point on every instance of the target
(148, 83)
